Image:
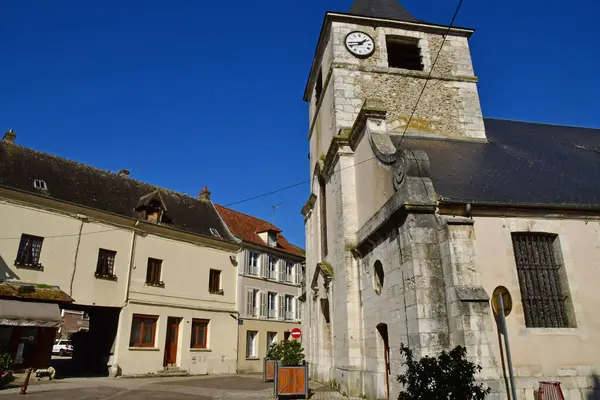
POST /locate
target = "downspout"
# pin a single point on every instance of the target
(83, 220)
(131, 261)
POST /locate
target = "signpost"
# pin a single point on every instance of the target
(296, 333)
(502, 306)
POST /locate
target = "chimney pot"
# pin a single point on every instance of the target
(9, 136)
(204, 195)
(124, 172)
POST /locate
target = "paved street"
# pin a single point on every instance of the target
(199, 388)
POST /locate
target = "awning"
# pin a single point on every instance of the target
(23, 313)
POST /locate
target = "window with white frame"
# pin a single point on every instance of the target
(251, 344)
(289, 307)
(272, 299)
(289, 272)
(253, 263)
(271, 339)
(272, 267)
(251, 302)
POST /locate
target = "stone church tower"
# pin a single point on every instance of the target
(383, 266)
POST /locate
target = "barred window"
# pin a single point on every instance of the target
(29, 251)
(542, 280)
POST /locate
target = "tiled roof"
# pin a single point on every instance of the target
(247, 228)
(32, 291)
(83, 185)
(521, 163)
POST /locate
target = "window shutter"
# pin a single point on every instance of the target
(247, 262)
(297, 308)
(281, 306)
(249, 302)
(264, 266)
(281, 271)
(263, 304)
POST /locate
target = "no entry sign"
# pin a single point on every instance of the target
(296, 333)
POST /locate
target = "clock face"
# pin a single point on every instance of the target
(360, 44)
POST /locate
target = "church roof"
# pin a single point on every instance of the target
(522, 163)
(72, 182)
(385, 9)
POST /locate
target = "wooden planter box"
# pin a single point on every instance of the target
(269, 370)
(291, 380)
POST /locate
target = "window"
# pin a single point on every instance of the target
(542, 280)
(199, 333)
(272, 267)
(214, 282)
(271, 339)
(40, 184)
(106, 264)
(251, 337)
(251, 308)
(252, 263)
(286, 335)
(154, 212)
(378, 277)
(289, 307)
(319, 87)
(85, 316)
(289, 272)
(323, 216)
(272, 300)
(404, 53)
(154, 273)
(29, 251)
(143, 330)
(272, 239)
(215, 232)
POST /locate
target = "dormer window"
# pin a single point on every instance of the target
(272, 239)
(40, 184)
(152, 208)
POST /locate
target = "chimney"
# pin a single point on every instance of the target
(123, 172)
(9, 136)
(204, 195)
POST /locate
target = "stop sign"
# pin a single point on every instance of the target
(296, 333)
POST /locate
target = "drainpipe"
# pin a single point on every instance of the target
(83, 220)
(131, 261)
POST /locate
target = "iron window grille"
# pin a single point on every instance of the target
(543, 291)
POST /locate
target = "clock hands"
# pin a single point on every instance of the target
(357, 43)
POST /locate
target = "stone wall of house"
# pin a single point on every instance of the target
(449, 105)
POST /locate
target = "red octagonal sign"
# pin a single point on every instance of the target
(296, 333)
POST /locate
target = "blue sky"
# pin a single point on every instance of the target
(193, 93)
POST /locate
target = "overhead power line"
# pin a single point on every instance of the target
(456, 11)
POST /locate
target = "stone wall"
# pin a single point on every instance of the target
(450, 104)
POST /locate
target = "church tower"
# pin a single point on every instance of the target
(374, 251)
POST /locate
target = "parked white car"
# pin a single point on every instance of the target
(62, 347)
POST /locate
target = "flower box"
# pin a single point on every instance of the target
(269, 370)
(291, 380)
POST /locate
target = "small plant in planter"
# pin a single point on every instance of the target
(273, 355)
(291, 371)
(6, 375)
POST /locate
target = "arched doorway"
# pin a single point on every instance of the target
(383, 335)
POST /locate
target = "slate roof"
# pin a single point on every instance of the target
(522, 163)
(385, 9)
(81, 184)
(247, 228)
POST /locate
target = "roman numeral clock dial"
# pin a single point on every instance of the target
(360, 44)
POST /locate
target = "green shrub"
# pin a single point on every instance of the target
(291, 353)
(450, 376)
(274, 352)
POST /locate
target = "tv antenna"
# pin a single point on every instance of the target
(274, 206)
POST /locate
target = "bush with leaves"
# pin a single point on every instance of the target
(290, 352)
(274, 352)
(6, 375)
(450, 376)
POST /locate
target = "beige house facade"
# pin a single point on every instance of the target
(270, 281)
(154, 270)
(420, 208)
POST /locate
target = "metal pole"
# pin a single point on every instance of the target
(507, 347)
(26, 383)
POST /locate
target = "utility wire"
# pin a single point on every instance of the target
(68, 235)
(431, 70)
(403, 132)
